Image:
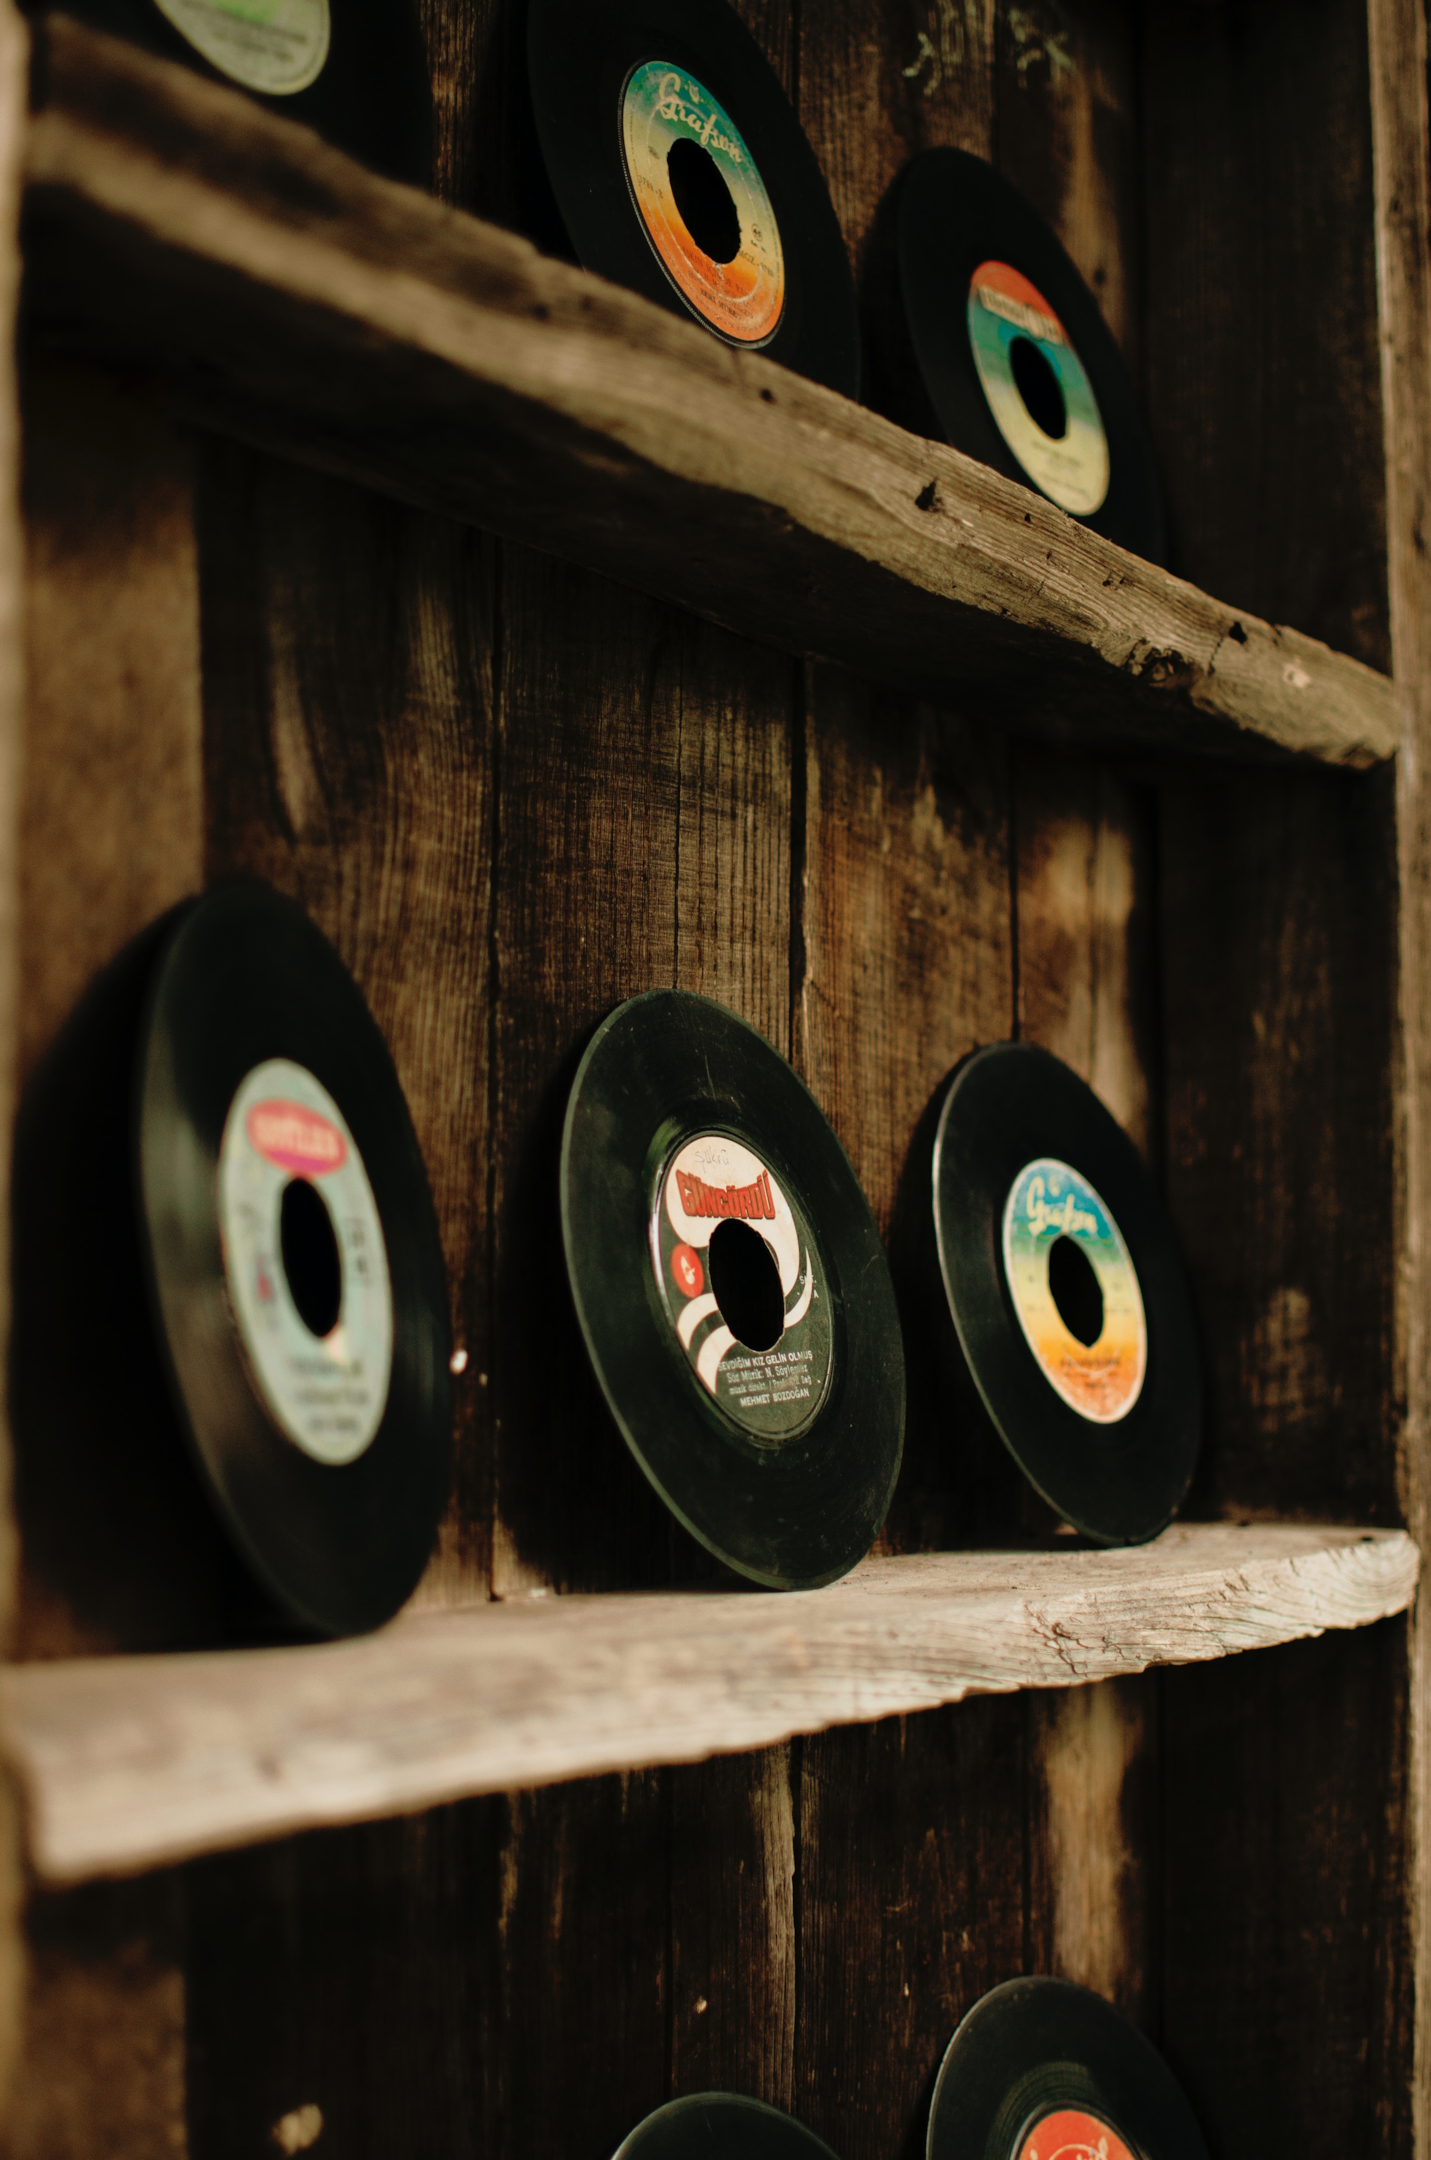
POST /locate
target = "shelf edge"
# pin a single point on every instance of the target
(129, 1763)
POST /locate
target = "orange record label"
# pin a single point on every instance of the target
(1103, 1379)
(1069, 2134)
(684, 153)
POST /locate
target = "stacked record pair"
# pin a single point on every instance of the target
(732, 1290)
(1043, 2070)
(680, 170)
(353, 70)
(992, 340)
(222, 1128)
(1067, 1294)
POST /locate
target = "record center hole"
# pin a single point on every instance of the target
(745, 1283)
(1075, 1290)
(705, 203)
(1039, 388)
(310, 1256)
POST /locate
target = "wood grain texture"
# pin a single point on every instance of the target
(1263, 375)
(1284, 1909)
(375, 332)
(103, 2073)
(347, 749)
(913, 1903)
(1401, 140)
(129, 1762)
(352, 1978)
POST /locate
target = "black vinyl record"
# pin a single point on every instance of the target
(353, 70)
(1043, 2070)
(732, 1290)
(681, 171)
(296, 1275)
(1067, 1291)
(721, 2126)
(993, 341)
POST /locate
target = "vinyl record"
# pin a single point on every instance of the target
(681, 171)
(1043, 2070)
(353, 70)
(732, 1290)
(721, 2126)
(1067, 1292)
(296, 1275)
(998, 345)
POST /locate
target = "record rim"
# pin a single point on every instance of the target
(951, 188)
(818, 335)
(1053, 1446)
(402, 1477)
(796, 1468)
(661, 2118)
(1005, 2016)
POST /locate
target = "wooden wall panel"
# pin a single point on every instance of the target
(912, 1904)
(1286, 1973)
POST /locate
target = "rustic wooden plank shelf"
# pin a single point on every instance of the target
(126, 1763)
(357, 325)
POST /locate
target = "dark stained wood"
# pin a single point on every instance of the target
(1276, 912)
(1286, 1980)
(103, 2073)
(584, 1942)
(1263, 375)
(733, 1941)
(352, 1976)
(911, 1904)
(348, 717)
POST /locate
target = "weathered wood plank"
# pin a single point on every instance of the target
(361, 326)
(127, 1762)
(1401, 146)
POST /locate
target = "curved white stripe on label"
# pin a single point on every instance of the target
(799, 1309)
(713, 1349)
(691, 1316)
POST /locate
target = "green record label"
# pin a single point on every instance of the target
(771, 1387)
(1006, 313)
(1100, 1380)
(326, 1392)
(277, 47)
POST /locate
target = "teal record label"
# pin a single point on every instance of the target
(661, 107)
(277, 47)
(327, 1393)
(1102, 1380)
(771, 1394)
(1073, 468)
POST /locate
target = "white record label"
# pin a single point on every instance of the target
(277, 47)
(327, 1393)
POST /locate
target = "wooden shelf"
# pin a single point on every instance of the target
(303, 304)
(130, 1762)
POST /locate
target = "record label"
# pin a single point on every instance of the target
(1071, 2134)
(1016, 339)
(664, 110)
(277, 47)
(287, 1162)
(773, 1384)
(1102, 1380)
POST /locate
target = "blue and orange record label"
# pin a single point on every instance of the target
(1070, 2134)
(771, 1393)
(1101, 1381)
(742, 299)
(1073, 468)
